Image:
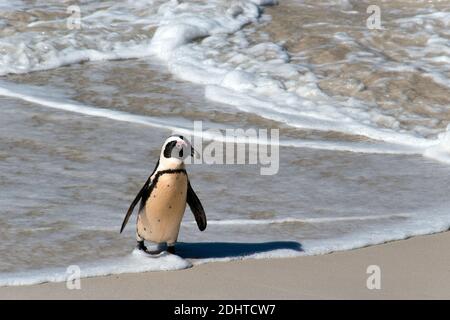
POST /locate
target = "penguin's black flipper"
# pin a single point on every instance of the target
(133, 204)
(140, 194)
(196, 208)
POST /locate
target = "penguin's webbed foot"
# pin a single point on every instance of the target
(155, 251)
(141, 246)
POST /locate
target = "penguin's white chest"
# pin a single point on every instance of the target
(159, 221)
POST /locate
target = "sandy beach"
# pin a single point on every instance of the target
(416, 268)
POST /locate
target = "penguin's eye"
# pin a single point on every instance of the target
(168, 149)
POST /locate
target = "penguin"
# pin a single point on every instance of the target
(163, 199)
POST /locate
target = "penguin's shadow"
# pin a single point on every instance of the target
(211, 250)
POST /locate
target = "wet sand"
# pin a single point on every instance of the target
(416, 268)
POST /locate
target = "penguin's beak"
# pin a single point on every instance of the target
(194, 153)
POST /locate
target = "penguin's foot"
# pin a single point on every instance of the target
(153, 252)
(141, 246)
(154, 249)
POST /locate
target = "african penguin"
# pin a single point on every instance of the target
(163, 199)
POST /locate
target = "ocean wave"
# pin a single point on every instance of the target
(133, 263)
(205, 43)
(244, 222)
(183, 126)
(418, 223)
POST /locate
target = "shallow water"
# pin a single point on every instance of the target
(362, 117)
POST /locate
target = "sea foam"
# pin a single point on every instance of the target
(36, 95)
(431, 220)
(133, 263)
(206, 43)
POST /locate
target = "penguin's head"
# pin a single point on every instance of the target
(175, 149)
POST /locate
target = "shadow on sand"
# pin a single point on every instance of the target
(209, 250)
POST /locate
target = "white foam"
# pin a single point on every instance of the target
(259, 78)
(134, 263)
(19, 92)
(429, 221)
(441, 151)
(184, 126)
(302, 220)
(314, 116)
(117, 35)
(271, 254)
